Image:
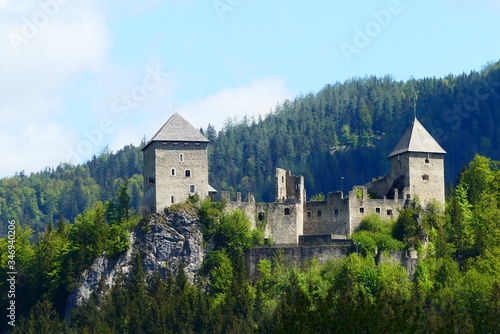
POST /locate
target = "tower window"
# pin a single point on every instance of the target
(309, 214)
(287, 211)
(261, 216)
(361, 210)
(336, 212)
(181, 157)
(389, 212)
(172, 199)
(377, 210)
(172, 172)
(192, 189)
(425, 177)
(187, 173)
(319, 213)
(427, 160)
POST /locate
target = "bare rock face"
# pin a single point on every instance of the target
(164, 243)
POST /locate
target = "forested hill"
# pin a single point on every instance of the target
(346, 129)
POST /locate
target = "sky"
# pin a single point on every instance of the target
(78, 77)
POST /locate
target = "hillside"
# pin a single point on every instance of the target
(345, 130)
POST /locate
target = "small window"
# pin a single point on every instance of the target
(196, 144)
(319, 213)
(309, 214)
(187, 173)
(389, 212)
(425, 177)
(176, 144)
(181, 157)
(282, 179)
(377, 210)
(172, 172)
(192, 189)
(287, 211)
(296, 186)
(261, 216)
(186, 144)
(427, 160)
(165, 143)
(336, 212)
(361, 210)
(172, 199)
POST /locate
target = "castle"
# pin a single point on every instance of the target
(176, 166)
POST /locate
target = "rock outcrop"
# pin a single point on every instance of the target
(164, 243)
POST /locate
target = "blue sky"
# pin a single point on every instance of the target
(78, 76)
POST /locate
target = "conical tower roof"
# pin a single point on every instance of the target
(178, 129)
(417, 139)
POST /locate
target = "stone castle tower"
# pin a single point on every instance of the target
(417, 162)
(417, 168)
(175, 165)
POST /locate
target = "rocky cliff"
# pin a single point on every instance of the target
(163, 242)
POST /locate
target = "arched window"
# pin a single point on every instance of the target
(187, 173)
(181, 157)
(261, 216)
(319, 213)
(192, 189)
(172, 172)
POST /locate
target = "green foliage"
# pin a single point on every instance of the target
(374, 233)
(234, 231)
(317, 197)
(408, 228)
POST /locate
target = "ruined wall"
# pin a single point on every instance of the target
(406, 259)
(360, 207)
(294, 256)
(289, 187)
(330, 216)
(283, 221)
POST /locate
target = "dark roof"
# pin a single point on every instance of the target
(417, 139)
(178, 129)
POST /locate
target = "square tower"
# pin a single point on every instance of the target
(417, 163)
(175, 165)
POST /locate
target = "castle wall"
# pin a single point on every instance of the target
(172, 183)
(294, 256)
(327, 217)
(427, 178)
(361, 207)
(149, 175)
(289, 188)
(283, 221)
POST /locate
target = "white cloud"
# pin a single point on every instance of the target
(257, 98)
(44, 45)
